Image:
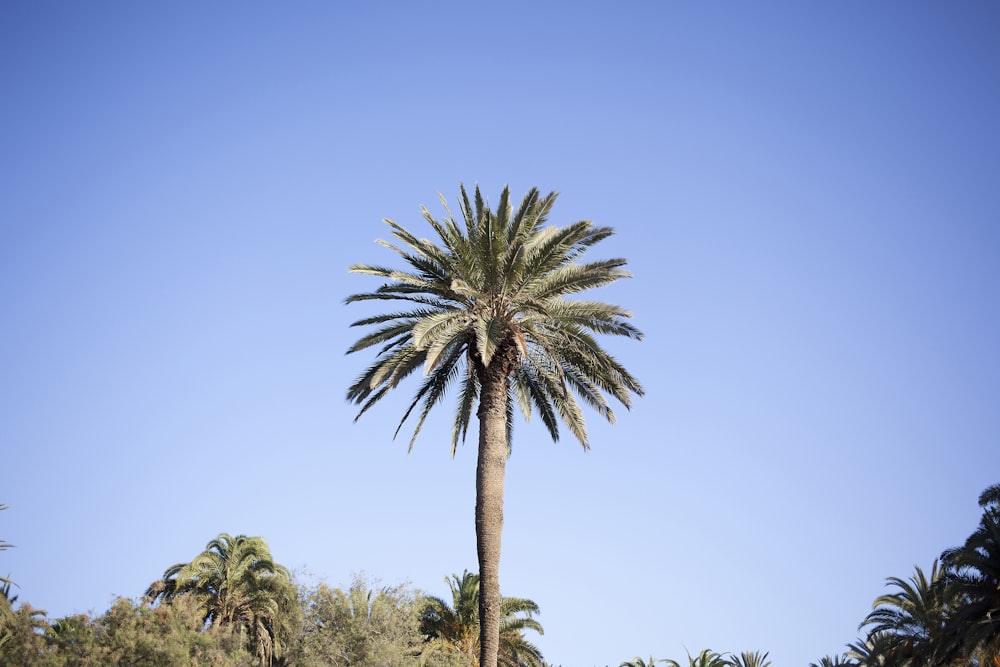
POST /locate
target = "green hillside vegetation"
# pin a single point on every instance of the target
(233, 605)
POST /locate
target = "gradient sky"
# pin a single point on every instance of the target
(807, 194)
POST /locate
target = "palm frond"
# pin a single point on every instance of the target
(434, 389)
(535, 395)
(467, 399)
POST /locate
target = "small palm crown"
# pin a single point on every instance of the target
(488, 302)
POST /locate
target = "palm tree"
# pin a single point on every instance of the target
(875, 651)
(748, 659)
(239, 585)
(488, 310)
(707, 658)
(833, 661)
(973, 577)
(454, 628)
(639, 662)
(909, 622)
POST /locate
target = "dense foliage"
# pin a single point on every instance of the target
(236, 584)
(130, 633)
(365, 625)
(213, 611)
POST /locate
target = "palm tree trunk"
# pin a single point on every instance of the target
(489, 506)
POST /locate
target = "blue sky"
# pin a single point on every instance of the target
(807, 197)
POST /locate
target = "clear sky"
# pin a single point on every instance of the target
(807, 194)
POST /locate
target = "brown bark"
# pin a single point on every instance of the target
(489, 498)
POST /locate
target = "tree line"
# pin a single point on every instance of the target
(233, 605)
(949, 616)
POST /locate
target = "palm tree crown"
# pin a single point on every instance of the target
(908, 623)
(487, 308)
(239, 585)
(749, 659)
(493, 295)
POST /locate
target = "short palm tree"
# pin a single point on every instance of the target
(834, 661)
(454, 628)
(749, 659)
(707, 658)
(973, 577)
(239, 585)
(876, 650)
(909, 623)
(487, 308)
(637, 661)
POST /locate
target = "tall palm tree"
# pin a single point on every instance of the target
(454, 628)
(973, 576)
(707, 658)
(909, 623)
(486, 308)
(876, 650)
(239, 585)
(834, 661)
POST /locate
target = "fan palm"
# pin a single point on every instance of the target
(487, 309)
(454, 628)
(239, 585)
(909, 623)
(973, 576)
